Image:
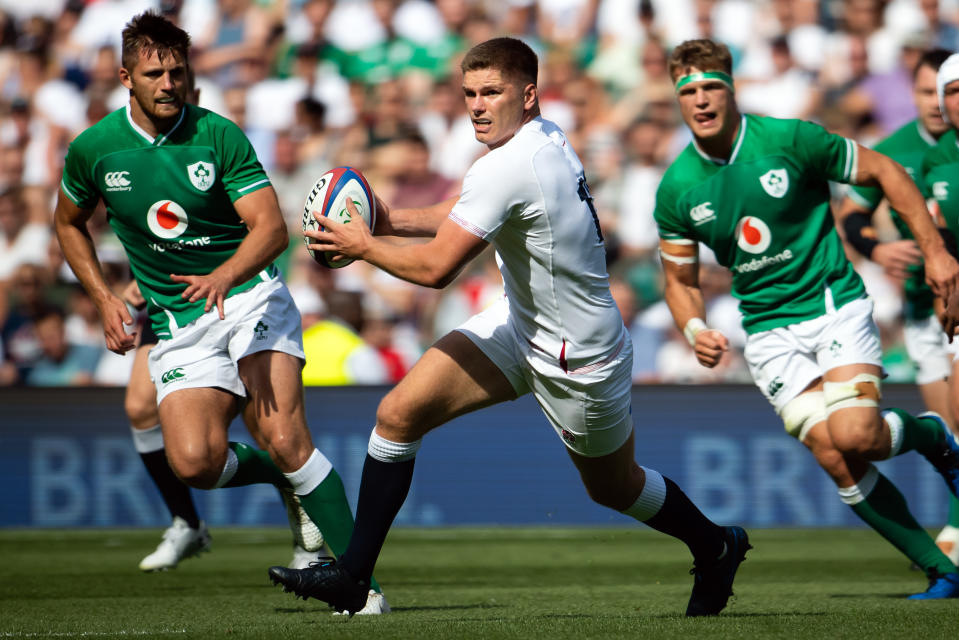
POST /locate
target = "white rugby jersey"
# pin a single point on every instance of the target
(529, 199)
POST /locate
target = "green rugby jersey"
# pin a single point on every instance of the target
(908, 146)
(940, 173)
(169, 199)
(765, 213)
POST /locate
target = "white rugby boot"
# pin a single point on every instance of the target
(308, 542)
(948, 542)
(376, 605)
(179, 542)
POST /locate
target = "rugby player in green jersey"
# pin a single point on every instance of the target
(201, 226)
(755, 190)
(926, 343)
(187, 535)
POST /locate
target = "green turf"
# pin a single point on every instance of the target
(467, 583)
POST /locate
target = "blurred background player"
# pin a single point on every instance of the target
(755, 191)
(940, 177)
(926, 343)
(186, 194)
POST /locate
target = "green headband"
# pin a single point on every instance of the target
(725, 78)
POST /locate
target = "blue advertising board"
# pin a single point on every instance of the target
(67, 460)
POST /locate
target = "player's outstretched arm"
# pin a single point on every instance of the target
(267, 239)
(432, 264)
(70, 223)
(685, 301)
(411, 223)
(895, 257)
(942, 270)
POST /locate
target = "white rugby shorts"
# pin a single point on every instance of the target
(783, 361)
(589, 408)
(929, 348)
(205, 352)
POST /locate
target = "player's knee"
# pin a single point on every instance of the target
(852, 407)
(141, 410)
(195, 467)
(802, 413)
(826, 454)
(394, 420)
(288, 449)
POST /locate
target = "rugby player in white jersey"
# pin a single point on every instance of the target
(557, 334)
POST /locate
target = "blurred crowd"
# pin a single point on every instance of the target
(374, 84)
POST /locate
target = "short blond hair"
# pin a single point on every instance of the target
(704, 55)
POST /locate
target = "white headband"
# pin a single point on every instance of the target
(948, 72)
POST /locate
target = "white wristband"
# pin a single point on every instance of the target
(693, 327)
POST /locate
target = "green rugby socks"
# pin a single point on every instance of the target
(880, 505)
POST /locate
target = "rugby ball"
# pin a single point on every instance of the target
(328, 198)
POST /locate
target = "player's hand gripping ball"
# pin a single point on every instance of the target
(328, 198)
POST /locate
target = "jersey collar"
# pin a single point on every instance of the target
(736, 146)
(159, 140)
(925, 135)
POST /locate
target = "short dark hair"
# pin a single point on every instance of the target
(150, 32)
(511, 57)
(932, 58)
(705, 55)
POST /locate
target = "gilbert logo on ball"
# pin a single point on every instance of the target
(167, 219)
(328, 198)
(753, 235)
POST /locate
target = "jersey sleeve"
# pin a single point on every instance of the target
(242, 171)
(484, 204)
(670, 224)
(867, 198)
(78, 182)
(827, 154)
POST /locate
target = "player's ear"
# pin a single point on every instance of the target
(125, 80)
(530, 96)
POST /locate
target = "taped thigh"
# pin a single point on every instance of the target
(803, 412)
(862, 390)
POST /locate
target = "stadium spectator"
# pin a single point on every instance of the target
(22, 240)
(336, 354)
(788, 92)
(755, 191)
(887, 97)
(62, 362)
(636, 199)
(27, 301)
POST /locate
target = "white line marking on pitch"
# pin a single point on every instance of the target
(85, 634)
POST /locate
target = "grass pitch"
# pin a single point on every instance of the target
(467, 583)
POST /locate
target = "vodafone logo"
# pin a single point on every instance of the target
(166, 219)
(753, 235)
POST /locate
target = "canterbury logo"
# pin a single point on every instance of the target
(172, 374)
(116, 179)
(702, 213)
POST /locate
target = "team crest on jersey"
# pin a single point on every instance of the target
(202, 174)
(167, 219)
(775, 182)
(753, 235)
